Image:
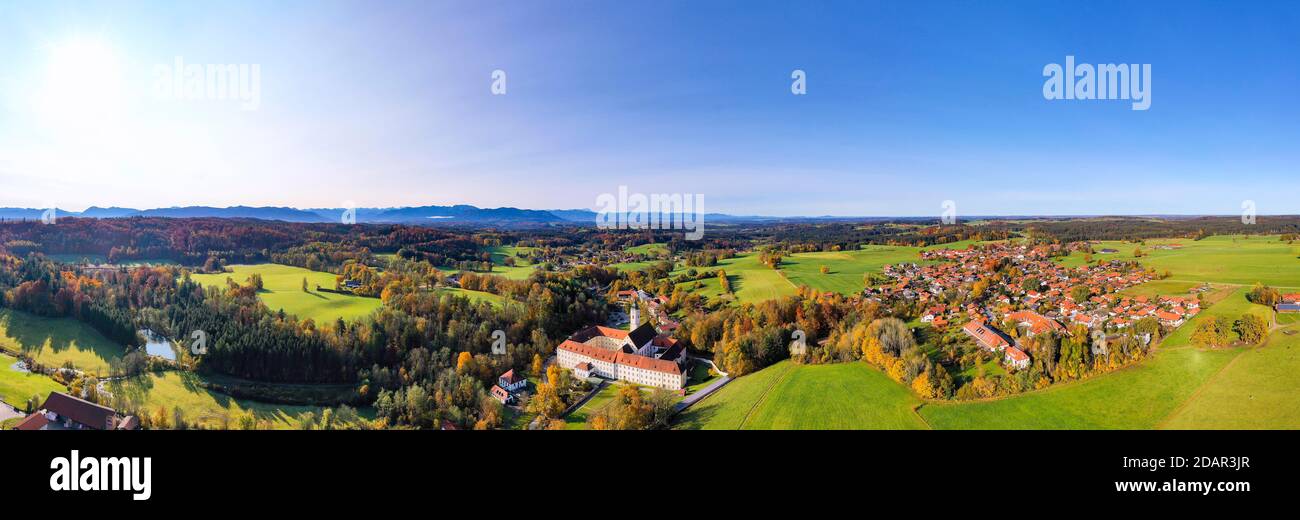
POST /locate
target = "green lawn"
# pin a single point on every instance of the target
(578, 419)
(1233, 259)
(1258, 390)
(16, 387)
(789, 396)
(283, 290)
(170, 389)
(55, 341)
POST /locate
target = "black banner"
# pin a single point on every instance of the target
(1195, 468)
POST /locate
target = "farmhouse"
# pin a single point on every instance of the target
(508, 384)
(64, 412)
(1288, 307)
(641, 356)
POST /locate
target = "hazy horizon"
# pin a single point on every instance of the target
(906, 105)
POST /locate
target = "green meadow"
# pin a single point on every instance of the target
(282, 289)
(753, 282)
(845, 268)
(1258, 389)
(168, 390)
(16, 387)
(792, 397)
(56, 341)
(1230, 259)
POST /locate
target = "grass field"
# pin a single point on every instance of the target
(16, 387)
(55, 341)
(1257, 390)
(578, 419)
(474, 296)
(171, 389)
(751, 281)
(283, 290)
(1232, 259)
(846, 268)
(790, 396)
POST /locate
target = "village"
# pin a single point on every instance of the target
(1016, 291)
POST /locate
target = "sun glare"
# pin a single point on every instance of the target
(82, 88)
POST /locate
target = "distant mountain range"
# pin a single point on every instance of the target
(439, 215)
(433, 215)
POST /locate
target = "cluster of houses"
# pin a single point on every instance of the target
(1048, 306)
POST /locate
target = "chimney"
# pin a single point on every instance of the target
(636, 318)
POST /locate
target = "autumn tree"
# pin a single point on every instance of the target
(1251, 328)
(464, 363)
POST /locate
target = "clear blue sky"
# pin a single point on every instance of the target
(908, 104)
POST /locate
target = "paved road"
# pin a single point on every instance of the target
(8, 412)
(704, 392)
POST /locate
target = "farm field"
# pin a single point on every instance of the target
(1257, 390)
(751, 281)
(181, 389)
(55, 341)
(283, 290)
(790, 396)
(1230, 259)
(16, 387)
(846, 267)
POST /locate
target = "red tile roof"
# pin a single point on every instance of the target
(621, 358)
(985, 335)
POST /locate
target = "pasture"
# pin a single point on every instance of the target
(16, 387)
(1229, 259)
(55, 341)
(1257, 390)
(282, 289)
(792, 397)
(845, 268)
(146, 393)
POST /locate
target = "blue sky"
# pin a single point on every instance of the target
(908, 104)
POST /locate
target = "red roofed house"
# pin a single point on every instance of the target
(1016, 358)
(1036, 323)
(64, 412)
